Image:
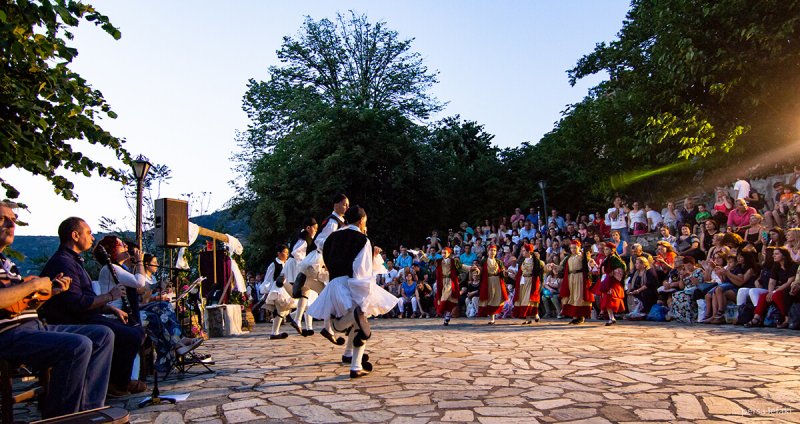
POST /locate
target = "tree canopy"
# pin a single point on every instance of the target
(47, 111)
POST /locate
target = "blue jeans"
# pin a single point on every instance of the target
(80, 356)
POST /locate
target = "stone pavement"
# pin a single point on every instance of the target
(508, 373)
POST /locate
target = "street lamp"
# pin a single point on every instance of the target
(141, 166)
(543, 185)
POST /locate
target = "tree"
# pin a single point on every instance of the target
(47, 110)
(346, 63)
(341, 114)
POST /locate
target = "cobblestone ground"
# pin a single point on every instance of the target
(508, 373)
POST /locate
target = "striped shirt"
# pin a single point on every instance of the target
(9, 276)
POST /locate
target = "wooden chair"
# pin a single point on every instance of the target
(8, 373)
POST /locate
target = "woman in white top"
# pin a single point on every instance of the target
(637, 218)
(118, 253)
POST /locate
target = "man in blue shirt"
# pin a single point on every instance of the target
(533, 217)
(404, 260)
(558, 220)
(527, 231)
(80, 305)
(467, 258)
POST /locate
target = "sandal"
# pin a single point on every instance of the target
(784, 324)
(755, 322)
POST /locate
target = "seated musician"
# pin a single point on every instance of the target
(80, 305)
(79, 355)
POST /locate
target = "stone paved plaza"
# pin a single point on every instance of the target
(508, 373)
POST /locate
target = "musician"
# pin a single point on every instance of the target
(80, 355)
(80, 305)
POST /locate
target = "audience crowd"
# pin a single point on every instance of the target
(733, 261)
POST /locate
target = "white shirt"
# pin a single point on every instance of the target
(106, 282)
(742, 188)
(330, 227)
(616, 224)
(655, 218)
(269, 278)
(637, 216)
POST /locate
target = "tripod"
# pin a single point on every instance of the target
(155, 398)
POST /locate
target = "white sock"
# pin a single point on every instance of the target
(302, 304)
(492, 317)
(348, 347)
(309, 322)
(327, 324)
(345, 322)
(276, 325)
(358, 353)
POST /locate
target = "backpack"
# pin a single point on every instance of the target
(746, 313)
(794, 317)
(773, 317)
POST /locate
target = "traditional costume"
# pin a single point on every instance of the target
(447, 292)
(352, 295)
(493, 292)
(278, 302)
(528, 285)
(611, 289)
(301, 292)
(575, 292)
(313, 276)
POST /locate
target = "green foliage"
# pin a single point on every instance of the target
(46, 110)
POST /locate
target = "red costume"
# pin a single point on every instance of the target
(492, 294)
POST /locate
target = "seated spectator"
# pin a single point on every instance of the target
(472, 292)
(404, 260)
(644, 284)
(622, 245)
(683, 307)
(79, 355)
(408, 292)
(425, 292)
(600, 225)
(772, 217)
(685, 214)
(80, 305)
(637, 251)
(739, 217)
(664, 261)
(722, 206)
(781, 278)
(550, 290)
(688, 244)
(716, 244)
(753, 234)
(667, 237)
(702, 215)
(742, 275)
(713, 270)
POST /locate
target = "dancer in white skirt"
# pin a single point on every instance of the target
(312, 272)
(352, 295)
(278, 302)
(302, 294)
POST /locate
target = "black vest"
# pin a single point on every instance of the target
(278, 269)
(340, 250)
(325, 224)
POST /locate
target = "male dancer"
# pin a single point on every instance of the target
(277, 301)
(352, 296)
(313, 275)
(303, 245)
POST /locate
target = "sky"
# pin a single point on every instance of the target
(177, 76)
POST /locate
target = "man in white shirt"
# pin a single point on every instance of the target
(742, 188)
(616, 218)
(654, 218)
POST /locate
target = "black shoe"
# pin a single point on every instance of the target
(296, 327)
(358, 374)
(278, 336)
(349, 359)
(325, 333)
(580, 320)
(611, 322)
(366, 365)
(574, 321)
(307, 333)
(447, 321)
(536, 318)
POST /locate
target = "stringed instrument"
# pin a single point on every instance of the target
(31, 301)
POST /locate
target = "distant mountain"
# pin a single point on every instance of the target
(38, 249)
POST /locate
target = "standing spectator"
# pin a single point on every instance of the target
(616, 217)
(600, 225)
(670, 216)
(742, 187)
(533, 217)
(637, 218)
(472, 291)
(686, 214)
(622, 245)
(559, 221)
(552, 284)
(518, 216)
(654, 218)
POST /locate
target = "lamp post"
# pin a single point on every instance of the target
(141, 166)
(543, 185)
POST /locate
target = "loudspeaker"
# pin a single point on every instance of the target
(171, 223)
